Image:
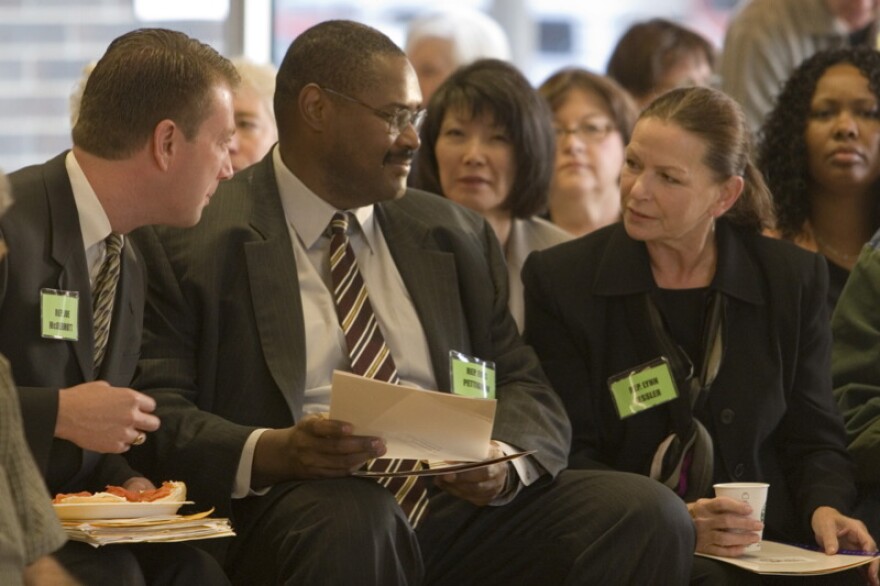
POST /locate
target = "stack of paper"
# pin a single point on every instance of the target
(164, 528)
(783, 559)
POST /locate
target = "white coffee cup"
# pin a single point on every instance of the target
(753, 493)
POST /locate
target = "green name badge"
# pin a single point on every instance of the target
(643, 388)
(59, 314)
(471, 377)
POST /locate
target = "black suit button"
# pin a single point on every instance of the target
(738, 471)
(727, 416)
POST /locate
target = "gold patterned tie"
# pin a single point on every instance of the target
(370, 357)
(103, 296)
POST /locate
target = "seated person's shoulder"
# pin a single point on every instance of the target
(436, 211)
(582, 255)
(782, 255)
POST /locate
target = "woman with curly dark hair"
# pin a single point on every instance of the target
(820, 155)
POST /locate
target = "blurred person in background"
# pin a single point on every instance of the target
(255, 129)
(593, 118)
(76, 94)
(440, 42)
(767, 39)
(658, 55)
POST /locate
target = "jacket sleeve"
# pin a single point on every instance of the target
(529, 414)
(856, 362)
(811, 441)
(562, 358)
(191, 440)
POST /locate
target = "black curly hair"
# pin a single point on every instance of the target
(782, 152)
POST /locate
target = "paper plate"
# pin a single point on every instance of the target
(85, 511)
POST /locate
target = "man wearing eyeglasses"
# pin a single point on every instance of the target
(245, 325)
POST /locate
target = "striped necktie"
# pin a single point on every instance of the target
(370, 356)
(103, 296)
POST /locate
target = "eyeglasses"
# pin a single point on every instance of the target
(398, 120)
(587, 131)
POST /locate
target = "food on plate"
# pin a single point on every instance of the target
(171, 491)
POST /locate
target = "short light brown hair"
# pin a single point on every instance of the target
(146, 76)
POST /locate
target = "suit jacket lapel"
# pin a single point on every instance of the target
(429, 274)
(68, 252)
(275, 293)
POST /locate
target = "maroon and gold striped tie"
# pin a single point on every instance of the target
(370, 356)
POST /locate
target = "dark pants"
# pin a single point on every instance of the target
(142, 564)
(346, 531)
(587, 527)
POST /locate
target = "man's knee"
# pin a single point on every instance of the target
(329, 528)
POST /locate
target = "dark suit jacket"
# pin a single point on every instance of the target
(770, 410)
(45, 246)
(224, 342)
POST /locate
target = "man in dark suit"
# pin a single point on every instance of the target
(242, 336)
(150, 145)
(29, 529)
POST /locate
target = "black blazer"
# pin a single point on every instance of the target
(224, 341)
(771, 411)
(45, 244)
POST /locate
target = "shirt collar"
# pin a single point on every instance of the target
(93, 221)
(625, 268)
(308, 213)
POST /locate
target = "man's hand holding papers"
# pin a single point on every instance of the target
(431, 426)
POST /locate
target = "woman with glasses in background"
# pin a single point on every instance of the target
(689, 347)
(488, 144)
(593, 118)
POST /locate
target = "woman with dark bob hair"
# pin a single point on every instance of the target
(593, 117)
(488, 144)
(691, 348)
(820, 153)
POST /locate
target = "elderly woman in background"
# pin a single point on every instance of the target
(593, 118)
(820, 154)
(255, 129)
(657, 55)
(440, 42)
(687, 289)
(488, 144)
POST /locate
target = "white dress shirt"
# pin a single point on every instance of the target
(308, 218)
(93, 221)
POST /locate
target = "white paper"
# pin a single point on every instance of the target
(782, 559)
(415, 423)
(154, 529)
